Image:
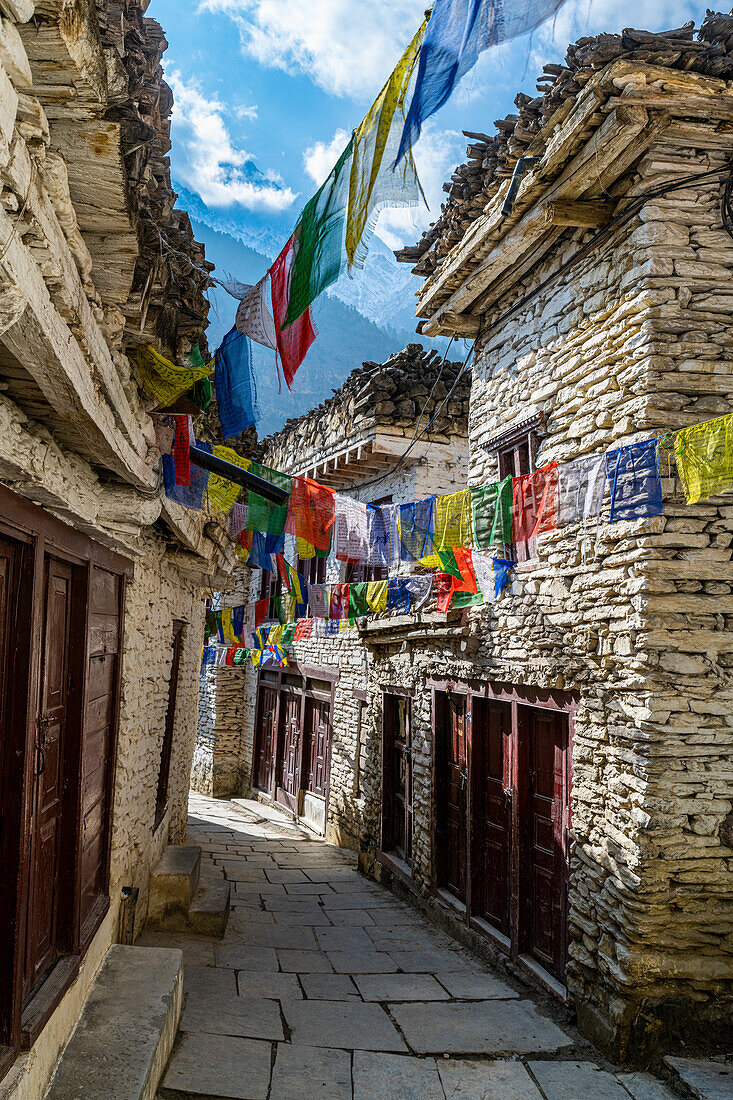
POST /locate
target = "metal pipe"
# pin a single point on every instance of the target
(239, 476)
(520, 168)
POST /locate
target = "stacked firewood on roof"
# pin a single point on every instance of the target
(411, 382)
(492, 159)
(169, 283)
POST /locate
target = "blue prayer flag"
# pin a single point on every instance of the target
(636, 486)
(190, 496)
(416, 529)
(235, 397)
(398, 595)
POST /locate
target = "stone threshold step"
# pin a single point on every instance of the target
(180, 901)
(125, 1034)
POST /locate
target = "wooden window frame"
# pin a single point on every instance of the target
(41, 536)
(516, 452)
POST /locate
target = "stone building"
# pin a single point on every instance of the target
(572, 745)
(298, 736)
(100, 576)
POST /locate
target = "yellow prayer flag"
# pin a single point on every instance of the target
(376, 595)
(166, 381)
(305, 550)
(453, 524)
(227, 627)
(374, 183)
(222, 492)
(704, 455)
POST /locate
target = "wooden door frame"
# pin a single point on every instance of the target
(166, 748)
(273, 685)
(42, 535)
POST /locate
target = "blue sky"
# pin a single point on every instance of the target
(267, 90)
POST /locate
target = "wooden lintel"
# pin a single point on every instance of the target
(588, 215)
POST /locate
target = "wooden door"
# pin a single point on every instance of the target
(265, 738)
(288, 777)
(452, 791)
(315, 747)
(166, 750)
(492, 804)
(544, 806)
(397, 777)
(44, 871)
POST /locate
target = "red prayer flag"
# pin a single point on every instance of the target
(534, 503)
(311, 513)
(443, 584)
(230, 654)
(303, 629)
(181, 450)
(261, 611)
(283, 572)
(292, 342)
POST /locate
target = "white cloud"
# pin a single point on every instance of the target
(249, 113)
(209, 163)
(346, 47)
(319, 159)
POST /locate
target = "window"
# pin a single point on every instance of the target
(313, 569)
(270, 588)
(516, 451)
(161, 800)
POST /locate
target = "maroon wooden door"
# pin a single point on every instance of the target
(452, 790)
(544, 857)
(397, 777)
(43, 894)
(288, 777)
(491, 780)
(315, 746)
(265, 738)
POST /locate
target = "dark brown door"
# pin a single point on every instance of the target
(44, 885)
(491, 778)
(315, 747)
(289, 742)
(166, 750)
(397, 788)
(544, 858)
(452, 790)
(265, 739)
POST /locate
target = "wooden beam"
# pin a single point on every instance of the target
(587, 215)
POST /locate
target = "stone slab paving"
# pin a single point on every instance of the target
(706, 1080)
(327, 985)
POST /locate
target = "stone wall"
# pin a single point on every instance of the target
(222, 761)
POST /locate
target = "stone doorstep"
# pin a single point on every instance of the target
(125, 1034)
(704, 1079)
(181, 900)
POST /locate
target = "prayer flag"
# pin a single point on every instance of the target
(189, 496)
(261, 607)
(398, 595)
(166, 381)
(453, 526)
(376, 596)
(502, 575)
(580, 487)
(288, 633)
(358, 599)
(491, 508)
(303, 630)
(458, 32)
(263, 514)
(443, 584)
(633, 474)
(339, 608)
(416, 529)
(234, 386)
(292, 342)
(351, 530)
(312, 513)
(419, 588)
(704, 455)
(318, 239)
(182, 449)
(534, 504)
(222, 492)
(318, 600)
(237, 520)
(383, 535)
(254, 318)
(375, 182)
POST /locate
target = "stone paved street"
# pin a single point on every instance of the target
(326, 985)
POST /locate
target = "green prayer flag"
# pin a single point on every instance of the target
(319, 239)
(262, 514)
(491, 508)
(288, 634)
(448, 564)
(466, 599)
(358, 599)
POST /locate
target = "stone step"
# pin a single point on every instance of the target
(208, 913)
(125, 1033)
(173, 884)
(702, 1078)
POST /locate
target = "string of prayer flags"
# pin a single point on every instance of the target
(453, 521)
(580, 487)
(383, 538)
(491, 511)
(704, 455)
(292, 342)
(458, 32)
(352, 530)
(254, 318)
(339, 601)
(376, 596)
(318, 239)
(534, 503)
(189, 496)
(416, 529)
(234, 384)
(312, 513)
(164, 380)
(358, 599)
(374, 181)
(636, 486)
(222, 492)
(182, 441)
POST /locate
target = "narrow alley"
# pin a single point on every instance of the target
(325, 984)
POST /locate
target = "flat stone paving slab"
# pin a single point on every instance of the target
(217, 1065)
(479, 1027)
(329, 987)
(311, 1072)
(474, 986)
(708, 1080)
(212, 979)
(315, 918)
(400, 987)
(250, 1017)
(466, 1080)
(280, 937)
(643, 1086)
(576, 1081)
(388, 1076)
(347, 1024)
(344, 939)
(242, 957)
(361, 962)
(254, 983)
(428, 961)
